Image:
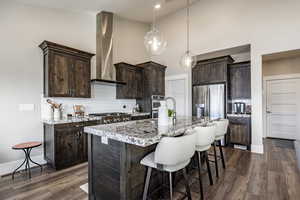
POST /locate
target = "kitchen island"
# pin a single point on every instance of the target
(115, 151)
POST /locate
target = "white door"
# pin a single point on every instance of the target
(283, 102)
(176, 89)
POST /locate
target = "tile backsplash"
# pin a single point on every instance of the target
(103, 100)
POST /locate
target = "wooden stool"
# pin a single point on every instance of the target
(27, 147)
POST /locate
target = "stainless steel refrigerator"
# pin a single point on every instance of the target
(209, 101)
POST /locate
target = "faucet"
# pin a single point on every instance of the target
(174, 104)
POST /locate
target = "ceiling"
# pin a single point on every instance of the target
(138, 10)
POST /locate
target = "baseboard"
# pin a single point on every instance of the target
(9, 167)
(257, 149)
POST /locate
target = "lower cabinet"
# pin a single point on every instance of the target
(240, 131)
(65, 145)
(141, 117)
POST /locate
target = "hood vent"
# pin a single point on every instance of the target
(105, 70)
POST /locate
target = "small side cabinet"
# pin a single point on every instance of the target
(67, 71)
(133, 77)
(240, 131)
(65, 145)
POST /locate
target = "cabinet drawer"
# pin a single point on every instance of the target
(93, 123)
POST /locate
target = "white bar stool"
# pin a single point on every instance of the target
(221, 130)
(171, 155)
(205, 137)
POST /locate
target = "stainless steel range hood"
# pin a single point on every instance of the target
(105, 70)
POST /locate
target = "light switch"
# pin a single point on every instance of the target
(104, 140)
(26, 107)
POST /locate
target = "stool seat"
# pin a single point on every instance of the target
(149, 162)
(27, 145)
(220, 137)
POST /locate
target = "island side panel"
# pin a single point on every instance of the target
(115, 171)
(133, 180)
(104, 169)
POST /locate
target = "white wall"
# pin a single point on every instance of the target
(269, 26)
(23, 28)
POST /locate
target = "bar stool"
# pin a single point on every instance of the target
(205, 137)
(171, 155)
(221, 130)
(26, 147)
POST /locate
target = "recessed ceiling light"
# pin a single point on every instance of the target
(157, 6)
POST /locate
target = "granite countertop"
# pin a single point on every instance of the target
(143, 132)
(70, 120)
(238, 115)
(83, 119)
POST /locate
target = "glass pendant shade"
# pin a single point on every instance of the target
(188, 60)
(154, 42)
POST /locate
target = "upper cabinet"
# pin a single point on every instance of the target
(154, 79)
(67, 71)
(133, 77)
(142, 81)
(240, 80)
(211, 71)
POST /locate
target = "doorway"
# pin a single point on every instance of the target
(281, 86)
(177, 87)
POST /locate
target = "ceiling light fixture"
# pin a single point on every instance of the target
(154, 41)
(157, 6)
(188, 60)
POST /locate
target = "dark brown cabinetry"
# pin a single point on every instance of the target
(240, 131)
(211, 71)
(240, 80)
(133, 77)
(153, 84)
(67, 71)
(65, 145)
(140, 117)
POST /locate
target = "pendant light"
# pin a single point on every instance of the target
(154, 41)
(188, 60)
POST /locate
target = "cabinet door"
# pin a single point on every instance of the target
(140, 84)
(66, 146)
(131, 89)
(82, 147)
(239, 132)
(127, 75)
(59, 75)
(82, 76)
(160, 82)
(240, 82)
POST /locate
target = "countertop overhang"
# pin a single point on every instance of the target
(143, 132)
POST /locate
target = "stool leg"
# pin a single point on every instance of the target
(149, 170)
(13, 174)
(171, 185)
(188, 191)
(222, 156)
(27, 162)
(35, 162)
(199, 173)
(216, 160)
(208, 169)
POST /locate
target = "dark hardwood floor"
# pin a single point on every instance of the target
(248, 176)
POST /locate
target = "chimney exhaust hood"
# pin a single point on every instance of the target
(105, 70)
